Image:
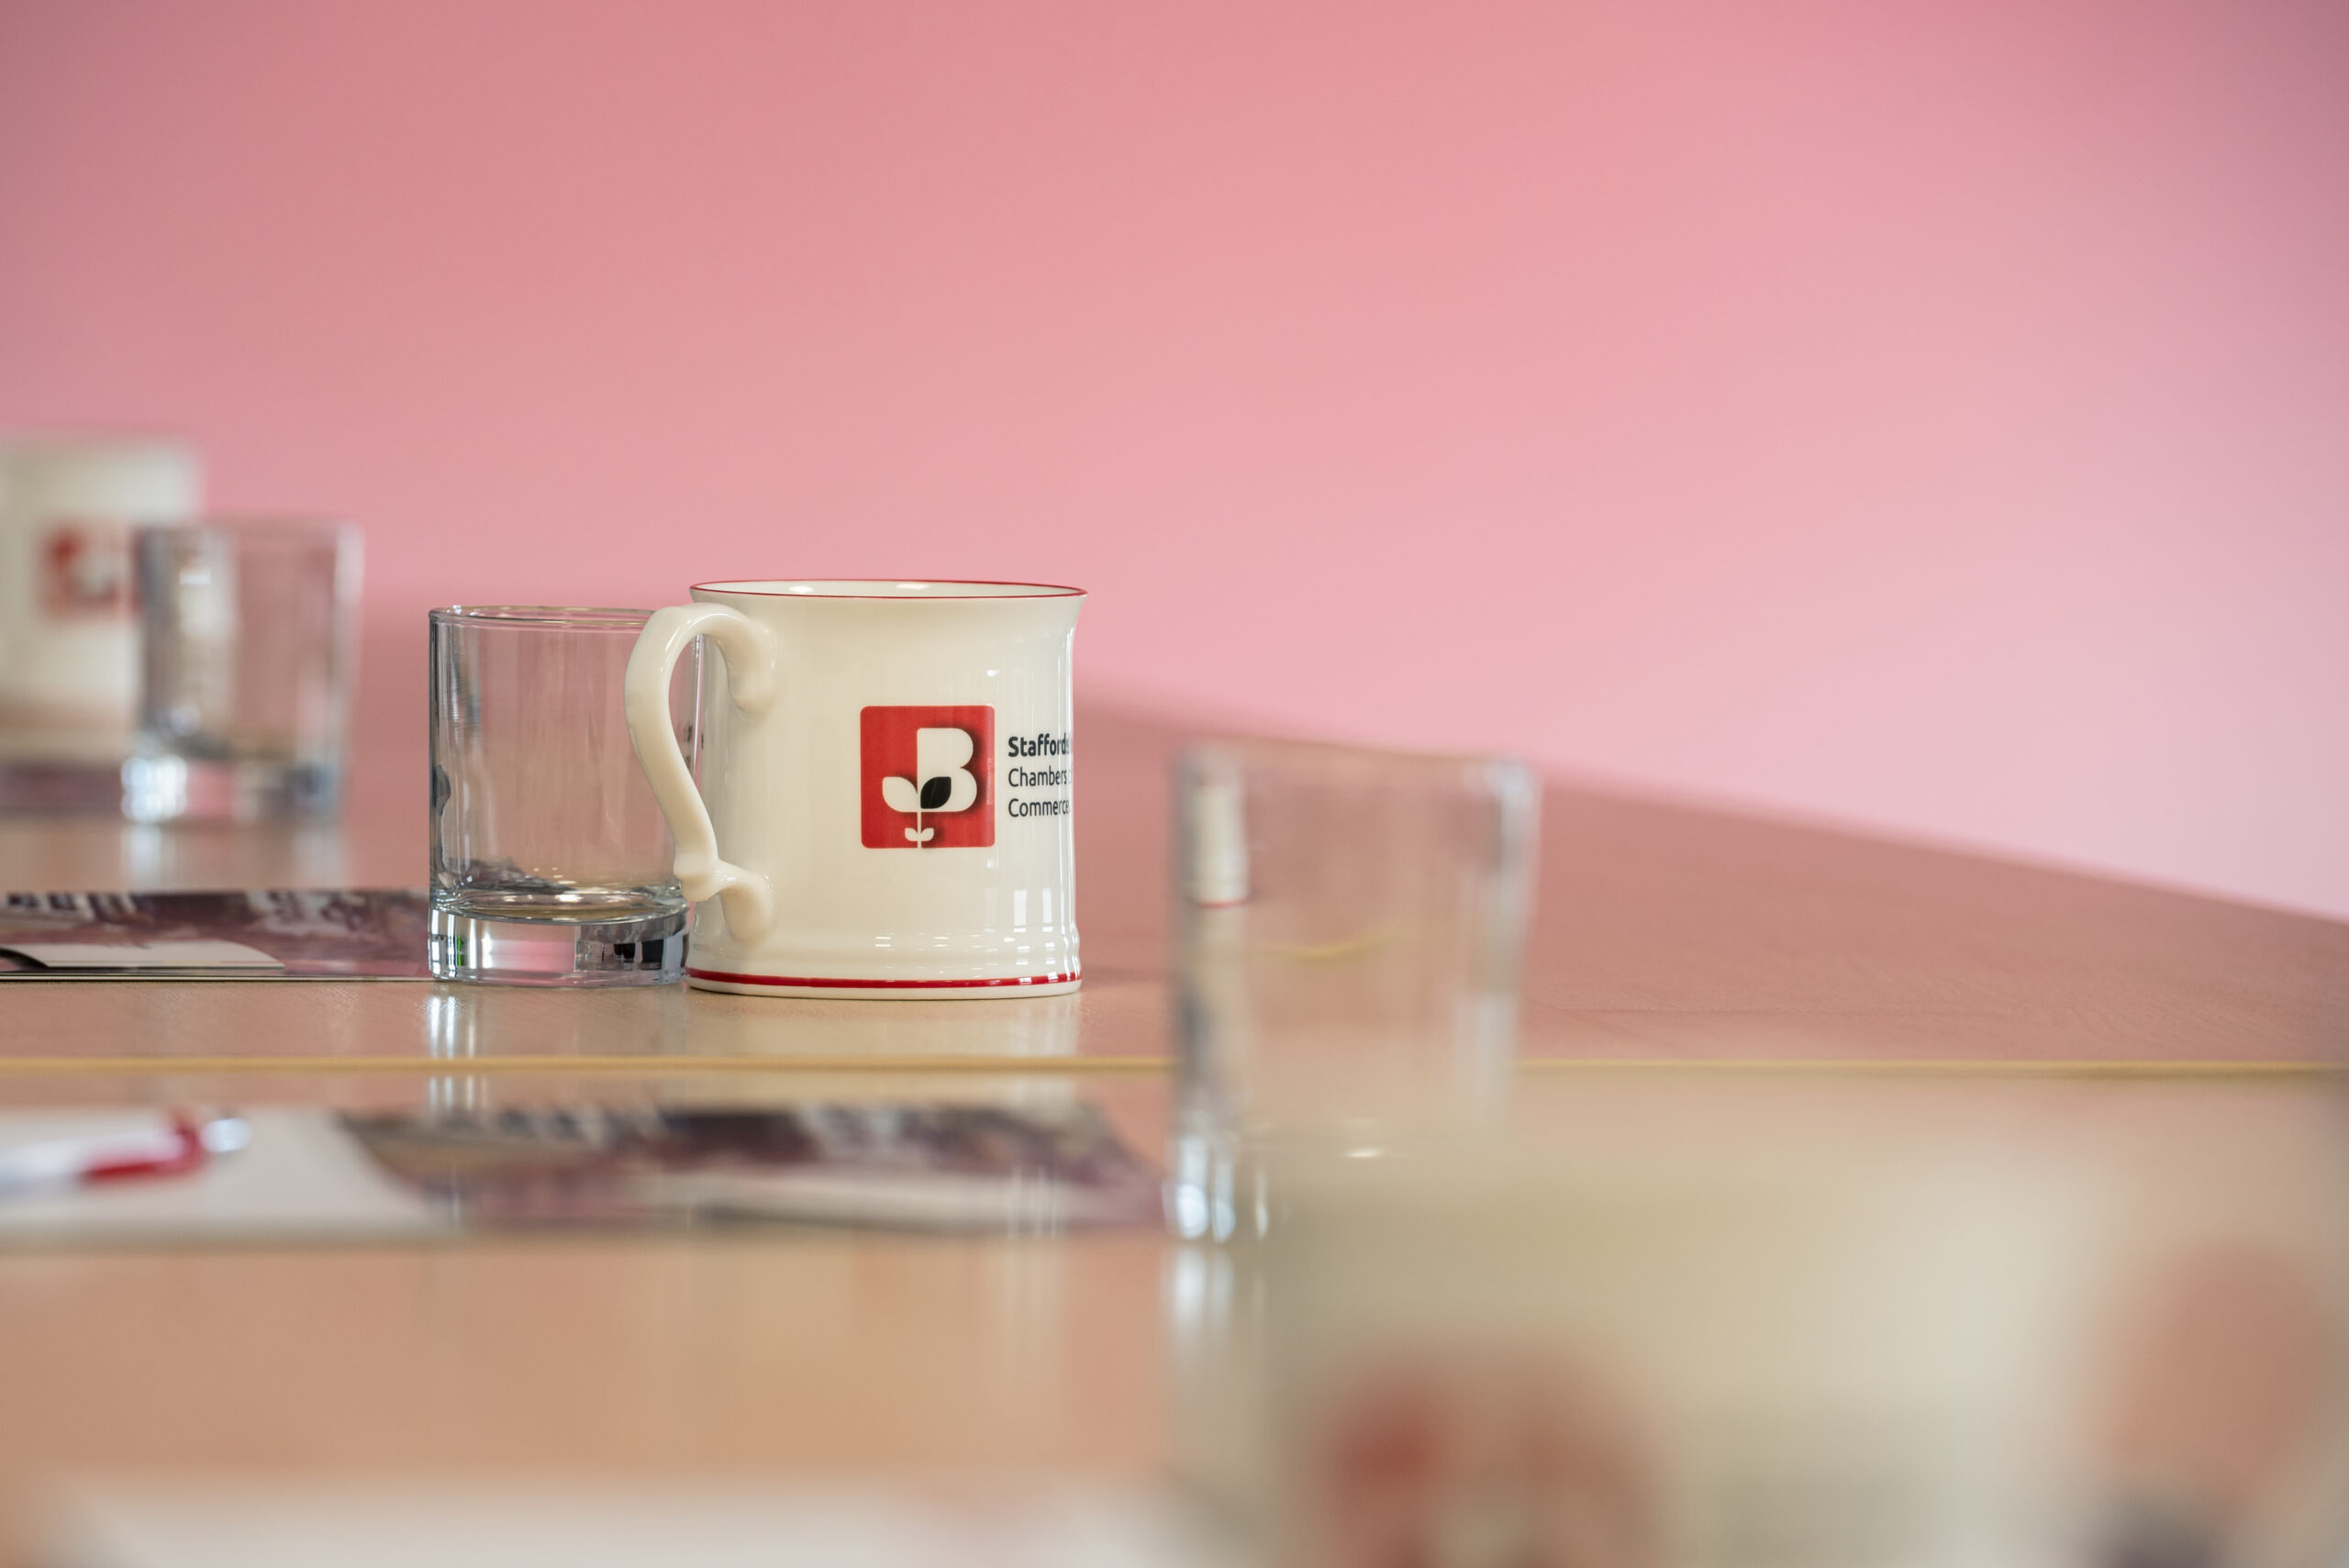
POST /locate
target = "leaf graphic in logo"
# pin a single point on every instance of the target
(941, 780)
(941, 754)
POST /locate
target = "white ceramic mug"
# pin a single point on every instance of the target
(886, 785)
(69, 633)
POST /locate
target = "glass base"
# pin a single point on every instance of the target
(79, 789)
(195, 789)
(646, 951)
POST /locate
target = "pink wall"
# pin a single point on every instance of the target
(1934, 415)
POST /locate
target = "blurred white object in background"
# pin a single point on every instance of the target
(68, 627)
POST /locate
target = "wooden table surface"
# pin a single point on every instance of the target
(1662, 934)
(1684, 965)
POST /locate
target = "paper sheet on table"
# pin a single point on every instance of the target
(213, 1523)
(201, 955)
(302, 1177)
(971, 1168)
(252, 934)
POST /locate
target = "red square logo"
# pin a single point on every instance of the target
(85, 571)
(927, 777)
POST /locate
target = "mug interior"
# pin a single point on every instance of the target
(883, 588)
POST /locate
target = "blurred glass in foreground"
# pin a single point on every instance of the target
(552, 863)
(69, 627)
(1350, 927)
(1736, 1325)
(250, 647)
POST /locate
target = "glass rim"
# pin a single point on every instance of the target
(253, 523)
(1300, 754)
(37, 444)
(556, 618)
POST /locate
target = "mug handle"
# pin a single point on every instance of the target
(749, 652)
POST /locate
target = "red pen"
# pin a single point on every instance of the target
(186, 1143)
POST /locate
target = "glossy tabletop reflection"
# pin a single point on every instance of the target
(1690, 972)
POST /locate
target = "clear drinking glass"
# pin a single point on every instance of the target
(551, 863)
(250, 644)
(1350, 927)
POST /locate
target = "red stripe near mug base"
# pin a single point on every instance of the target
(878, 985)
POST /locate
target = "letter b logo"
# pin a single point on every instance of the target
(926, 777)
